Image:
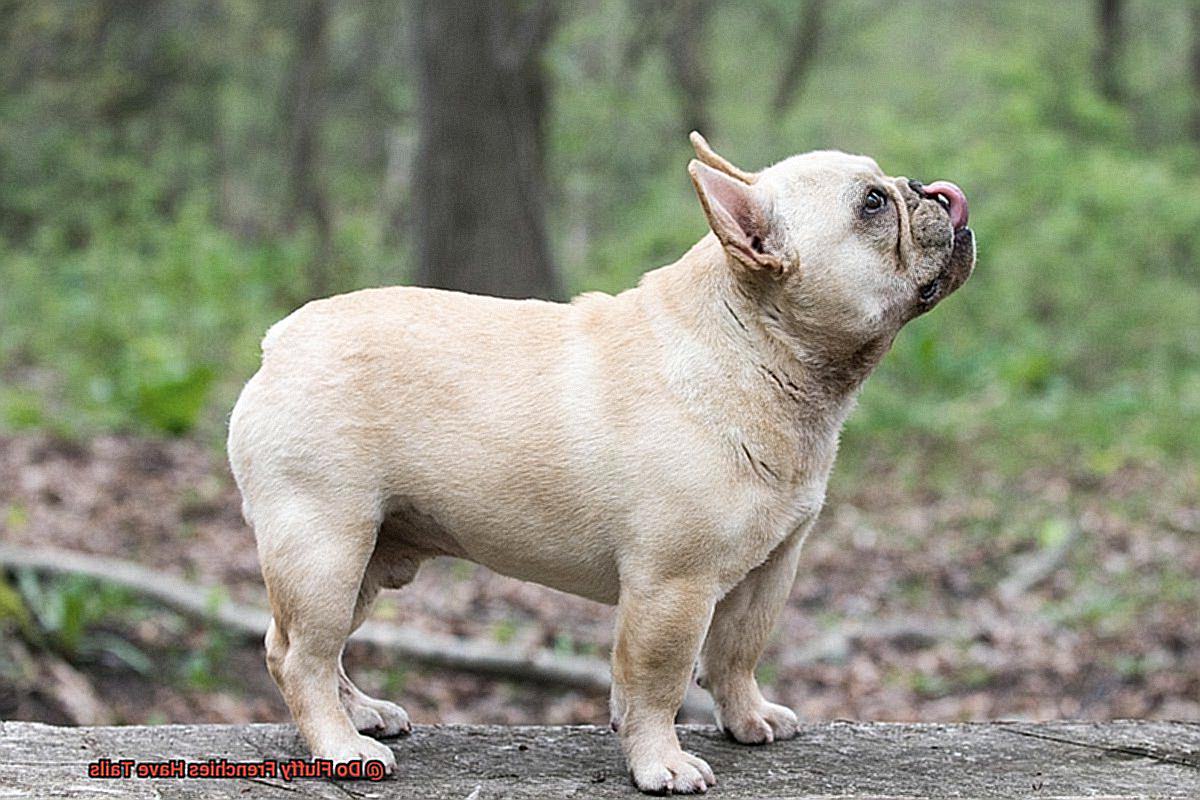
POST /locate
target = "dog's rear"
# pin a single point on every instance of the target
(308, 494)
(352, 447)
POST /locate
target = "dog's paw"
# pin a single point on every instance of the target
(766, 723)
(674, 773)
(358, 748)
(377, 718)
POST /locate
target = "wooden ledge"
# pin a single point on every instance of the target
(831, 760)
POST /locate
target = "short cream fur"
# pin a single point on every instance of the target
(666, 449)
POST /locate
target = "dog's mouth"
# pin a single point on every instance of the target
(960, 261)
(953, 274)
(951, 198)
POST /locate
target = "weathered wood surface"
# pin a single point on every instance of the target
(841, 759)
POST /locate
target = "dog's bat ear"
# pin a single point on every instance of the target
(738, 215)
(710, 157)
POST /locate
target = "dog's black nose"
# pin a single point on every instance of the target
(917, 187)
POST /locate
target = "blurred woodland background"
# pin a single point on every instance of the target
(1013, 527)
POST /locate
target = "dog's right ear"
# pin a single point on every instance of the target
(738, 215)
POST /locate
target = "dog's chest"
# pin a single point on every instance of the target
(797, 509)
(775, 519)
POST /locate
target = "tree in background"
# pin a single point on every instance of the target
(1194, 69)
(684, 43)
(1110, 16)
(479, 184)
(802, 50)
(679, 28)
(303, 108)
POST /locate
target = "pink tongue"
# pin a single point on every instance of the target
(958, 201)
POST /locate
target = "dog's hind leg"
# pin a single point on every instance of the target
(370, 716)
(314, 557)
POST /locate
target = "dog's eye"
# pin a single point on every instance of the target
(875, 201)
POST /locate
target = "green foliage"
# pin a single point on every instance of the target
(141, 326)
(145, 245)
(13, 611)
(767, 673)
(145, 236)
(205, 667)
(1074, 330)
(394, 681)
(504, 631)
(1076, 337)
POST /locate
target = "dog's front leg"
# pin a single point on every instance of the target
(660, 626)
(741, 625)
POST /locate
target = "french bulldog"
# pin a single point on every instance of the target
(665, 450)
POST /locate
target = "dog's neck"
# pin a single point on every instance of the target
(825, 368)
(801, 383)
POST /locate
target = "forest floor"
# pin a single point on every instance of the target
(1045, 594)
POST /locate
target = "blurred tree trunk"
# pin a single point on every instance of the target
(684, 42)
(804, 44)
(479, 182)
(1110, 16)
(1195, 69)
(304, 106)
(679, 28)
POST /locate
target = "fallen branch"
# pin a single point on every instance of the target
(836, 643)
(1035, 569)
(207, 602)
(436, 650)
(75, 694)
(50, 676)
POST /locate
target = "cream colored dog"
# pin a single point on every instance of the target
(665, 450)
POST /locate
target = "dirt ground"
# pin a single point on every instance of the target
(1044, 595)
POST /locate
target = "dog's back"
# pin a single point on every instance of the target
(455, 421)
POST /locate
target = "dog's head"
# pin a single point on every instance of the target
(846, 252)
